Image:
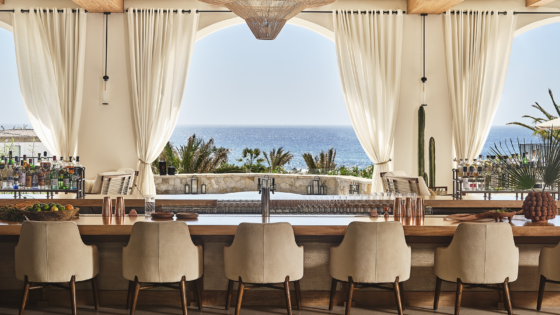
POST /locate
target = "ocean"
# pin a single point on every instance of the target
(311, 139)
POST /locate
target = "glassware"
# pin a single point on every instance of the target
(150, 206)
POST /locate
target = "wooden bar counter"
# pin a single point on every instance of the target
(317, 234)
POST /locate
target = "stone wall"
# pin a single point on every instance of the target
(229, 183)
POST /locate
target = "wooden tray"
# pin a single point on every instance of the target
(187, 216)
(162, 215)
(61, 215)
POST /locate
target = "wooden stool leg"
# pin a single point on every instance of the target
(438, 292)
(94, 289)
(198, 284)
(135, 296)
(349, 298)
(541, 292)
(183, 292)
(130, 293)
(401, 289)
(26, 286)
(229, 292)
(287, 295)
(333, 292)
(508, 298)
(458, 296)
(298, 294)
(397, 290)
(73, 295)
(239, 296)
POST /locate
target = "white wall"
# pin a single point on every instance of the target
(106, 134)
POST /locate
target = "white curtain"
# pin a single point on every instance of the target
(369, 50)
(50, 54)
(477, 51)
(160, 44)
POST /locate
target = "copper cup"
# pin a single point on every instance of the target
(107, 220)
(119, 207)
(398, 207)
(420, 209)
(107, 210)
(409, 209)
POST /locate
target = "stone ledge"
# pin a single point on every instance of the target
(240, 182)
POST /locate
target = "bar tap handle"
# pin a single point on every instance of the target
(273, 186)
(259, 187)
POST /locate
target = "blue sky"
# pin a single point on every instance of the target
(236, 79)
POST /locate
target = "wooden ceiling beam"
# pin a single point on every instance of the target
(101, 6)
(536, 3)
(431, 6)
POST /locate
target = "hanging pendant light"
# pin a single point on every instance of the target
(266, 18)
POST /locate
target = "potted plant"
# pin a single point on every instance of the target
(544, 169)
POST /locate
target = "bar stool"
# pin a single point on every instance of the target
(371, 254)
(161, 254)
(53, 254)
(263, 254)
(548, 268)
(479, 254)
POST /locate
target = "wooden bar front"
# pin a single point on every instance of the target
(317, 234)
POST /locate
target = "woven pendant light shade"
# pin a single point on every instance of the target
(266, 18)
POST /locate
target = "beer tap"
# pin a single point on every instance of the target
(265, 189)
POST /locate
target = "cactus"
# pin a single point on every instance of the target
(425, 176)
(421, 128)
(432, 162)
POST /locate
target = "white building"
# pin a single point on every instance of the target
(20, 142)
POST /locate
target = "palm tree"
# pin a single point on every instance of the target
(278, 158)
(538, 120)
(322, 162)
(250, 158)
(200, 156)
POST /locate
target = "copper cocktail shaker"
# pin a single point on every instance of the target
(107, 210)
(119, 207)
(398, 207)
(420, 210)
(409, 207)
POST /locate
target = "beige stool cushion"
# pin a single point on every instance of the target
(161, 252)
(264, 253)
(548, 262)
(480, 253)
(54, 252)
(372, 252)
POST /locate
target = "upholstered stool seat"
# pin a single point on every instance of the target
(52, 253)
(371, 253)
(263, 254)
(162, 253)
(480, 255)
(548, 268)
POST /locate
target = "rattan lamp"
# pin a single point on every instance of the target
(266, 18)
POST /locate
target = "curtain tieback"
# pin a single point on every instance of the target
(144, 162)
(381, 163)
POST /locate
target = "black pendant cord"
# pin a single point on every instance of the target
(105, 77)
(424, 79)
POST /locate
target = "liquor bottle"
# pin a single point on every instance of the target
(10, 172)
(22, 175)
(2, 168)
(29, 176)
(460, 169)
(16, 173)
(61, 173)
(66, 179)
(35, 178)
(466, 174)
(54, 174)
(78, 173)
(524, 161)
(474, 174)
(40, 176)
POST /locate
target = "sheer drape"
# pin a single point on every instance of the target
(369, 50)
(50, 54)
(161, 45)
(477, 51)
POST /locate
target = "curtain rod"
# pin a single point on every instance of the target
(228, 11)
(505, 12)
(44, 11)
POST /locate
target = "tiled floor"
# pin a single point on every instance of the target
(309, 310)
